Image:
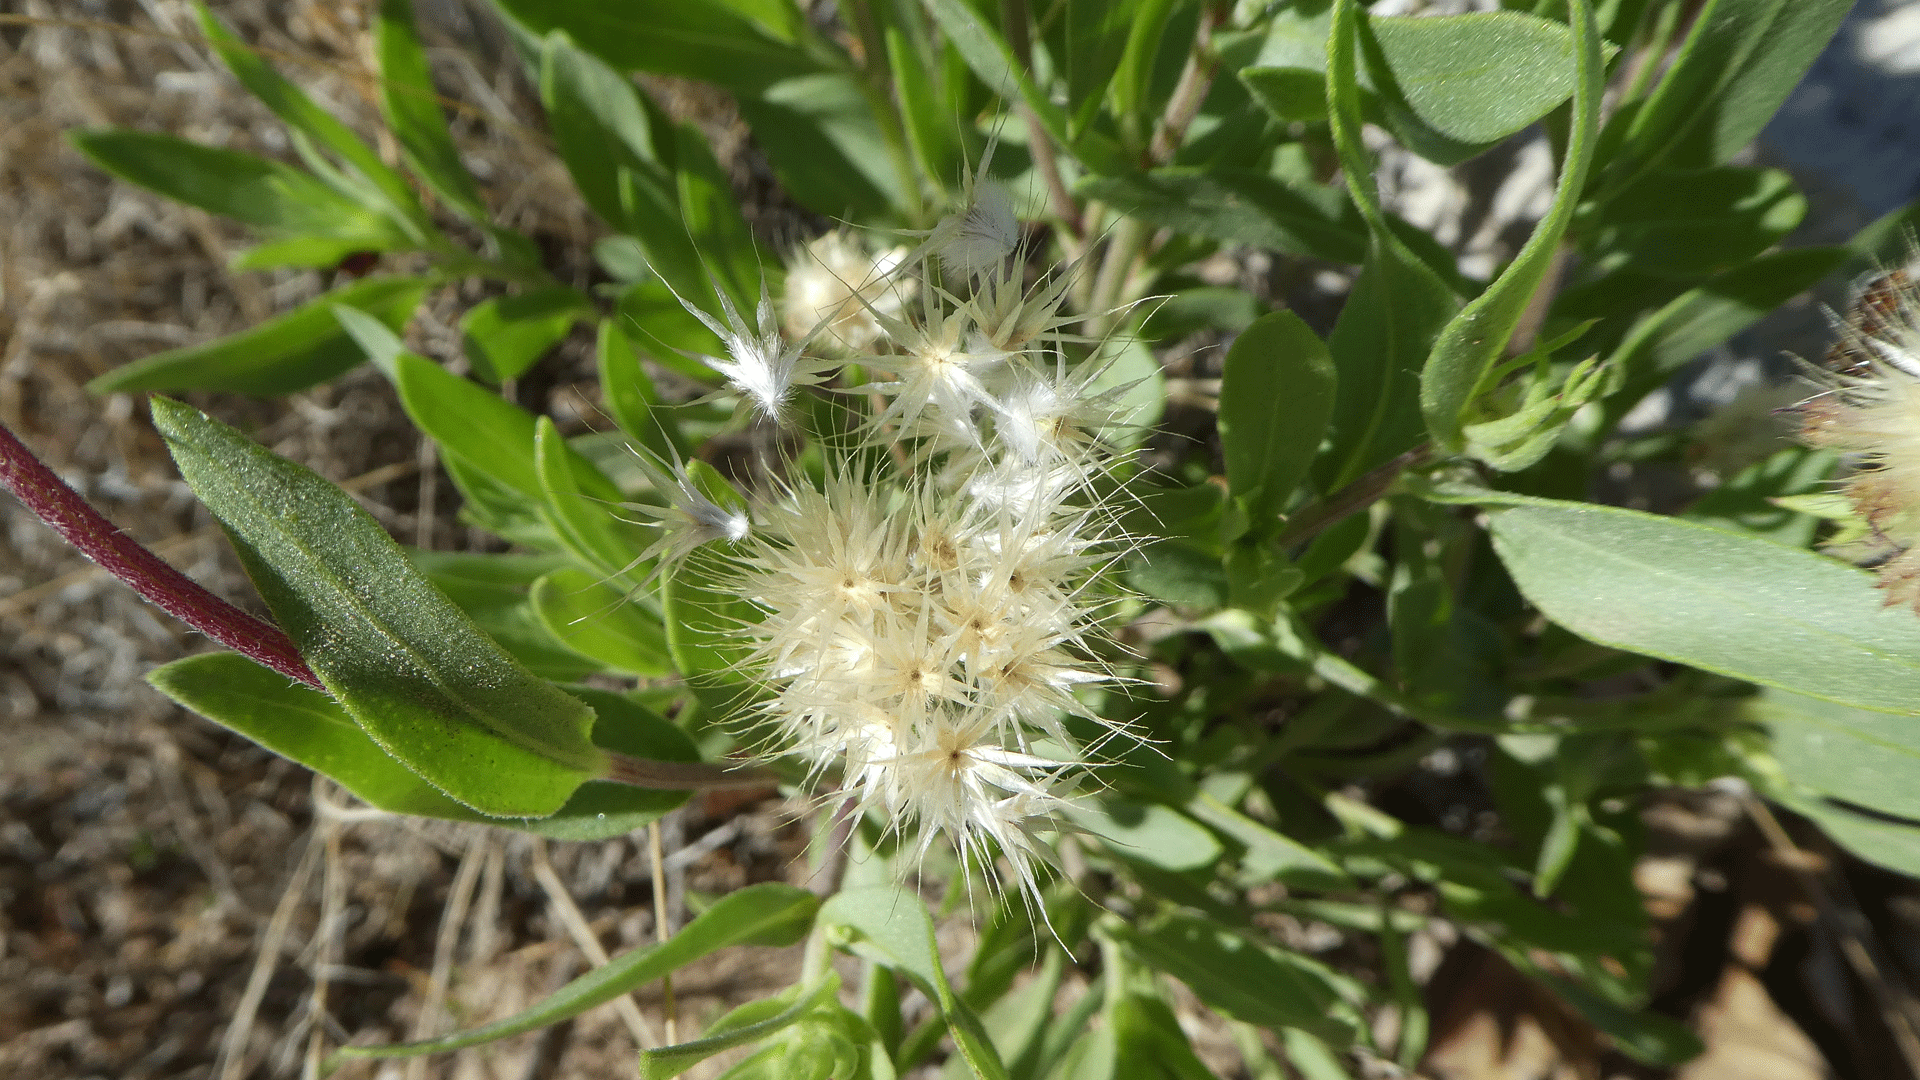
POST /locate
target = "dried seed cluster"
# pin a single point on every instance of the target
(924, 624)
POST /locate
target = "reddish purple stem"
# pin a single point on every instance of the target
(98, 539)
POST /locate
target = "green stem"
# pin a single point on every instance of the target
(1307, 522)
(1116, 267)
(876, 83)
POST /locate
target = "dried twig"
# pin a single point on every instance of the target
(233, 1045)
(662, 928)
(452, 920)
(1897, 1007)
(62, 508)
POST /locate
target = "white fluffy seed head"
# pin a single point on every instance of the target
(980, 235)
(928, 622)
(832, 282)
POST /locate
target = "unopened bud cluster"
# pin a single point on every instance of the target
(926, 615)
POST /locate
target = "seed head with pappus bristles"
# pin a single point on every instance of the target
(928, 602)
(1870, 408)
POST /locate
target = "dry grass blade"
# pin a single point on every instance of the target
(583, 936)
(662, 926)
(232, 1064)
(1897, 1006)
(327, 952)
(453, 919)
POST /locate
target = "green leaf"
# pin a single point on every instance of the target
(1097, 33)
(603, 623)
(820, 135)
(890, 926)
(746, 1024)
(930, 128)
(506, 335)
(713, 220)
(601, 123)
(1276, 396)
(620, 149)
(1379, 345)
(1174, 572)
(1244, 981)
(1132, 90)
(1291, 94)
(603, 809)
(414, 671)
(310, 728)
(1148, 832)
(1891, 843)
(582, 504)
(627, 393)
(277, 199)
(492, 590)
(1868, 758)
(305, 252)
(767, 914)
(1205, 307)
(488, 504)
(1236, 206)
(307, 120)
(1688, 224)
(302, 724)
(704, 41)
(486, 431)
(1720, 601)
(1148, 1041)
(1476, 79)
(1712, 312)
(1738, 63)
(1397, 307)
(412, 110)
(1474, 341)
(702, 621)
(988, 54)
(287, 353)
(1270, 856)
(1763, 499)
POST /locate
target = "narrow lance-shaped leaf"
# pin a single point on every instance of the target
(1243, 980)
(1866, 757)
(1239, 206)
(311, 728)
(1476, 337)
(307, 119)
(704, 41)
(766, 914)
(410, 667)
(821, 137)
(1096, 38)
(285, 354)
(744, 1025)
(1704, 316)
(1738, 63)
(506, 335)
(988, 54)
(277, 199)
(602, 622)
(412, 109)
